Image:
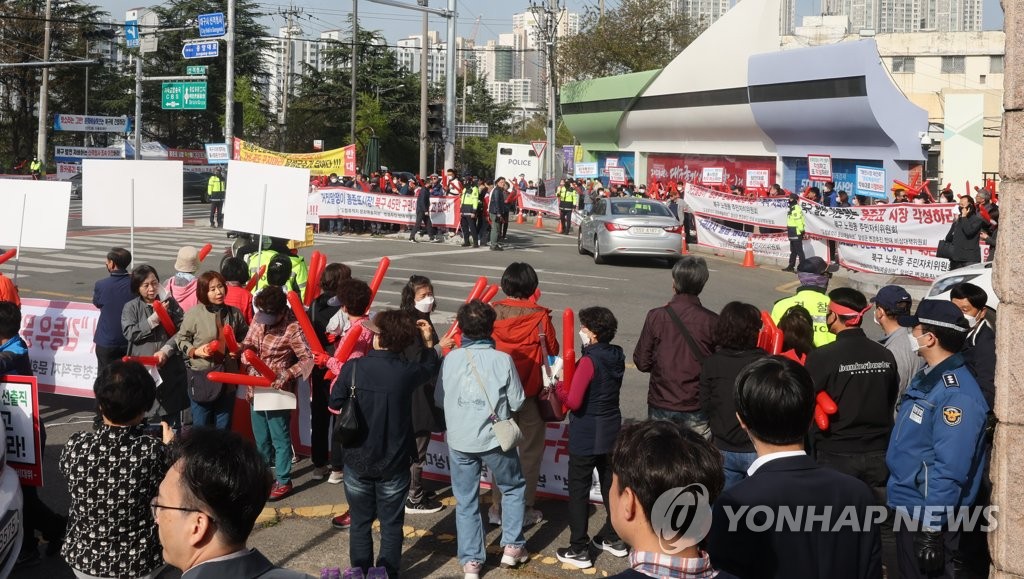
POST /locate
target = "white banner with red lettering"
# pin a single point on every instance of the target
(547, 205)
(60, 344)
(763, 211)
(342, 203)
(714, 234)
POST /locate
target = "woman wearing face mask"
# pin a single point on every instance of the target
(211, 401)
(593, 398)
(418, 302)
(147, 337)
(964, 234)
(276, 338)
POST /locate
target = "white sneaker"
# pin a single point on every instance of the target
(337, 477)
(514, 556)
(532, 517)
(494, 516)
(472, 569)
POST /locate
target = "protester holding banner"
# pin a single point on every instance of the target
(147, 336)
(110, 295)
(211, 401)
(964, 236)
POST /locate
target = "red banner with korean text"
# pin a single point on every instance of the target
(690, 168)
(19, 407)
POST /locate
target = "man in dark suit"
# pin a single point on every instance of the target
(790, 517)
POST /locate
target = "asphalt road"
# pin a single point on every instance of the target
(296, 532)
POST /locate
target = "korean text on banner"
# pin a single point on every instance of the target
(713, 234)
(547, 205)
(339, 202)
(617, 175)
(764, 211)
(892, 261)
(712, 175)
(758, 178)
(901, 225)
(351, 166)
(586, 170)
(19, 406)
(871, 182)
(88, 124)
(325, 163)
(819, 167)
(60, 345)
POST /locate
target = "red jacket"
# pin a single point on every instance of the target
(517, 333)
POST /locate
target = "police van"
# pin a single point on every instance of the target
(514, 159)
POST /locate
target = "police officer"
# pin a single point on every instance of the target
(936, 454)
(215, 193)
(469, 202)
(568, 198)
(795, 231)
(36, 169)
(814, 276)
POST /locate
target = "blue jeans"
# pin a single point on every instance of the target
(735, 465)
(508, 475)
(696, 421)
(383, 500)
(217, 413)
(273, 437)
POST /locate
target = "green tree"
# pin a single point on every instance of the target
(636, 35)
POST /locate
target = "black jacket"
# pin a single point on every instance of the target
(717, 382)
(861, 377)
(979, 352)
(422, 200)
(795, 482)
(964, 234)
(497, 201)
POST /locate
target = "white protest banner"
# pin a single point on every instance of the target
(713, 234)
(871, 182)
(131, 193)
(611, 162)
(217, 153)
(60, 345)
(712, 175)
(586, 171)
(819, 167)
(266, 199)
(35, 213)
(88, 124)
(763, 211)
(19, 407)
(74, 154)
(66, 171)
(547, 205)
(901, 225)
(339, 202)
(757, 178)
(892, 261)
(617, 175)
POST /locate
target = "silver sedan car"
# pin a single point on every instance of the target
(623, 226)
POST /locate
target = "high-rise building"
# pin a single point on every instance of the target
(283, 59)
(528, 41)
(703, 13)
(409, 53)
(887, 16)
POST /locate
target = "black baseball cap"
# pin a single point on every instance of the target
(814, 264)
(890, 296)
(939, 313)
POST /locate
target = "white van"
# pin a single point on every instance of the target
(514, 159)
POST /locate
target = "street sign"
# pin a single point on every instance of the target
(131, 33)
(184, 96)
(471, 130)
(149, 44)
(211, 25)
(196, 70)
(538, 147)
(201, 49)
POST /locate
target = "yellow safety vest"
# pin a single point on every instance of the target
(816, 303)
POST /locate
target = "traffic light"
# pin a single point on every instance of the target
(435, 121)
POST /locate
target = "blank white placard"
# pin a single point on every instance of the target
(46, 213)
(107, 193)
(287, 189)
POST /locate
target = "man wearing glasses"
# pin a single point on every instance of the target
(207, 505)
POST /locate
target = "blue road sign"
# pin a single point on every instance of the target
(211, 25)
(204, 49)
(131, 33)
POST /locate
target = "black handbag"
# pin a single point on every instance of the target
(944, 250)
(348, 424)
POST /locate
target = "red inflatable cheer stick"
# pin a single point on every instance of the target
(345, 349)
(205, 251)
(165, 318)
(255, 279)
(253, 360)
(228, 333)
(823, 408)
(378, 278)
(478, 289)
(315, 272)
(489, 294)
(8, 254)
(304, 323)
(144, 360)
(568, 345)
(213, 346)
(239, 379)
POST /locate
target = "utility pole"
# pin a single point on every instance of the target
(449, 91)
(44, 93)
(355, 59)
(229, 89)
(549, 31)
(600, 11)
(138, 105)
(424, 66)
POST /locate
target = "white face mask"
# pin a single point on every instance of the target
(877, 321)
(425, 305)
(585, 338)
(971, 320)
(915, 346)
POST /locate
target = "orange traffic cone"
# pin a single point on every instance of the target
(519, 218)
(539, 224)
(686, 248)
(559, 229)
(748, 257)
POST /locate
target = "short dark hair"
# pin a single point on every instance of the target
(949, 339)
(333, 275)
(851, 299)
(601, 321)
(225, 475)
(797, 328)
(689, 274)
(775, 399)
(519, 280)
(139, 275)
(234, 269)
(279, 270)
(970, 292)
(271, 300)
(398, 330)
(476, 319)
(738, 326)
(354, 295)
(124, 391)
(121, 257)
(10, 319)
(411, 287)
(203, 285)
(655, 456)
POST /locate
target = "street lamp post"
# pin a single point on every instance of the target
(386, 91)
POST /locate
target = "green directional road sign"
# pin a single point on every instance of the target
(196, 70)
(184, 96)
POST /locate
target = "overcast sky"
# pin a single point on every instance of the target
(395, 23)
